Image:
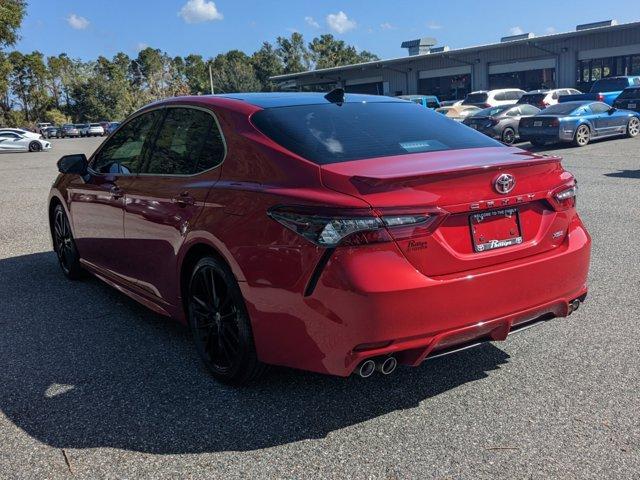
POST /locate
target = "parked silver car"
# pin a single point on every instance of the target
(83, 129)
(95, 130)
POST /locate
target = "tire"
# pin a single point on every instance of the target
(508, 136)
(582, 137)
(220, 324)
(633, 127)
(35, 147)
(65, 246)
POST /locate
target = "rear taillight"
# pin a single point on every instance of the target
(600, 97)
(565, 197)
(329, 228)
(555, 122)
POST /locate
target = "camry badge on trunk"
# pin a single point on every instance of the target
(504, 183)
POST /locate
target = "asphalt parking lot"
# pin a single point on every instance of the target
(94, 386)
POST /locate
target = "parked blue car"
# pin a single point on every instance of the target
(429, 101)
(604, 90)
(578, 123)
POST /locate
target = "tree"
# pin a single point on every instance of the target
(233, 72)
(196, 72)
(293, 53)
(266, 63)
(11, 15)
(327, 52)
(28, 82)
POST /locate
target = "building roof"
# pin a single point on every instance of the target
(459, 51)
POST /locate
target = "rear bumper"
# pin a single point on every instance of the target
(371, 302)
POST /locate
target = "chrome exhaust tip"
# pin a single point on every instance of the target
(575, 304)
(387, 365)
(366, 368)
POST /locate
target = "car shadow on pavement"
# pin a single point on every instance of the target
(83, 366)
(624, 174)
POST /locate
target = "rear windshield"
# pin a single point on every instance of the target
(630, 93)
(476, 98)
(560, 109)
(532, 98)
(610, 85)
(491, 111)
(330, 133)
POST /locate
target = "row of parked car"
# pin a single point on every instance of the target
(23, 140)
(611, 108)
(77, 130)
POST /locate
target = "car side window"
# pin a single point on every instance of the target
(188, 142)
(501, 96)
(599, 107)
(9, 135)
(122, 153)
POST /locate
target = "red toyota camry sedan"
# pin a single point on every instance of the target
(337, 233)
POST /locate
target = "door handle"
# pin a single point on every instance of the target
(184, 200)
(116, 192)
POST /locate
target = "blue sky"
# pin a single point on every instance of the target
(88, 28)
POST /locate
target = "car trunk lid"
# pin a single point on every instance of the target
(457, 185)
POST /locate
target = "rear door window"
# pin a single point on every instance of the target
(189, 141)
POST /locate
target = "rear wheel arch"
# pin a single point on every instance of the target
(191, 257)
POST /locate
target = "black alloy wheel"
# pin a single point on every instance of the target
(65, 246)
(35, 146)
(508, 136)
(220, 324)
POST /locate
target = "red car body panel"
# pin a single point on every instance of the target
(409, 297)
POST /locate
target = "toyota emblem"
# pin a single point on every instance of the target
(504, 183)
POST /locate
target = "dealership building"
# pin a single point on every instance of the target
(571, 59)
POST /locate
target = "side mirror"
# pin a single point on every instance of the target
(612, 110)
(76, 163)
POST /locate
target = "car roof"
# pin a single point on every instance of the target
(290, 99)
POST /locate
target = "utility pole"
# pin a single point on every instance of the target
(211, 78)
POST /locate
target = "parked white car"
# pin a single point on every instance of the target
(95, 130)
(493, 98)
(14, 142)
(545, 98)
(40, 127)
(21, 131)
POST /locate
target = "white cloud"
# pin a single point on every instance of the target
(516, 31)
(198, 11)
(387, 26)
(141, 46)
(434, 26)
(311, 22)
(550, 30)
(339, 22)
(77, 22)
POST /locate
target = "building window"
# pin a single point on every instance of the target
(454, 87)
(595, 69)
(526, 80)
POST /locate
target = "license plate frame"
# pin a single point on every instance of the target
(482, 238)
(537, 123)
(632, 105)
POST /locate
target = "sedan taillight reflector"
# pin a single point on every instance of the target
(329, 228)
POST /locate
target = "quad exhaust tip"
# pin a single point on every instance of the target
(384, 365)
(387, 366)
(367, 368)
(573, 306)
